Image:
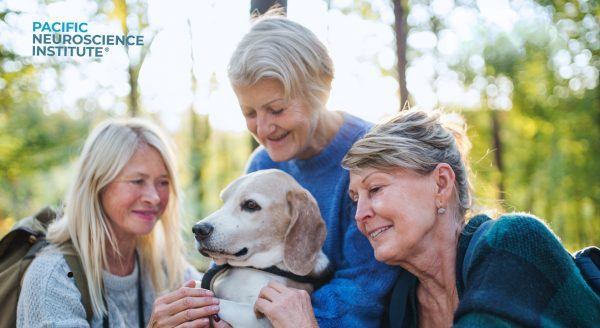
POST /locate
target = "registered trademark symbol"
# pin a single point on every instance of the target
(106, 49)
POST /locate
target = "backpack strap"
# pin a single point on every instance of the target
(468, 259)
(588, 262)
(80, 280)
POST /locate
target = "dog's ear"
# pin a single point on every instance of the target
(305, 234)
(231, 188)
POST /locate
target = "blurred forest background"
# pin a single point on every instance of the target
(524, 74)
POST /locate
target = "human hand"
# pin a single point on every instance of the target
(218, 322)
(285, 307)
(184, 307)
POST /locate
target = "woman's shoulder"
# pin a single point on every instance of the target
(49, 294)
(49, 268)
(48, 261)
(521, 264)
(521, 228)
(354, 127)
(528, 238)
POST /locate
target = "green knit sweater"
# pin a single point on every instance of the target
(520, 276)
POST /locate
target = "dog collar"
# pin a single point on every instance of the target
(317, 280)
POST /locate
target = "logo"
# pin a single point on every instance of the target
(72, 39)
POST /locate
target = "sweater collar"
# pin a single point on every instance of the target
(335, 150)
(463, 243)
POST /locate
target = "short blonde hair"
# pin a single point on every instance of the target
(107, 150)
(280, 49)
(417, 140)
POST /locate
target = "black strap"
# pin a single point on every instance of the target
(588, 262)
(140, 293)
(316, 281)
(401, 308)
(209, 276)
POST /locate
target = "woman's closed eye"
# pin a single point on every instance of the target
(276, 111)
(249, 114)
(137, 181)
(374, 190)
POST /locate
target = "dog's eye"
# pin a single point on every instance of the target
(250, 206)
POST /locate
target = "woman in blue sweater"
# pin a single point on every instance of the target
(281, 74)
(409, 179)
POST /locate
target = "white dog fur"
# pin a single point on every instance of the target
(267, 219)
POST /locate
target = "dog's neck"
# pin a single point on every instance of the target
(321, 265)
(270, 258)
(259, 260)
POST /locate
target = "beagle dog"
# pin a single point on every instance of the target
(268, 229)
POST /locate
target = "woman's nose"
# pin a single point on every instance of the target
(264, 126)
(363, 210)
(151, 195)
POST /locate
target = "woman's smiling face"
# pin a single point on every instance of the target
(395, 210)
(138, 196)
(284, 127)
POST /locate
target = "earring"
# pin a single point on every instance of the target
(441, 210)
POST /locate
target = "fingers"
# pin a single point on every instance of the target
(277, 286)
(199, 323)
(190, 302)
(284, 306)
(184, 292)
(185, 305)
(220, 324)
(190, 283)
(262, 306)
(191, 315)
(269, 293)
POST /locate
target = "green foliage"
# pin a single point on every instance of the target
(549, 132)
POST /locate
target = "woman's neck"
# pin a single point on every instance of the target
(121, 264)
(434, 263)
(435, 266)
(327, 126)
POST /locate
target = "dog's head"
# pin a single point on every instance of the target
(266, 218)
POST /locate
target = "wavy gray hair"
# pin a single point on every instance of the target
(417, 140)
(278, 48)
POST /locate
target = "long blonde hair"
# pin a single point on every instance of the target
(105, 153)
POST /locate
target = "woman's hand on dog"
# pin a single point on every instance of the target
(184, 307)
(285, 307)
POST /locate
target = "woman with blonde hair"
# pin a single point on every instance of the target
(121, 217)
(409, 179)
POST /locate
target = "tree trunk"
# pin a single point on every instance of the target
(260, 7)
(497, 140)
(133, 93)
(199, 132)
(401, 29)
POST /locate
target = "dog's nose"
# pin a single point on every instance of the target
(202, 230)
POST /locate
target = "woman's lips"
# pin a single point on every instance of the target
(146, 215)
(374, 233)
(278, 138)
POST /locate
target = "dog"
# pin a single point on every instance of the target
(268, 229)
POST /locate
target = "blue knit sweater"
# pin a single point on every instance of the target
(355, 295)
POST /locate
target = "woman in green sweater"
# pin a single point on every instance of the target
(409, 178)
